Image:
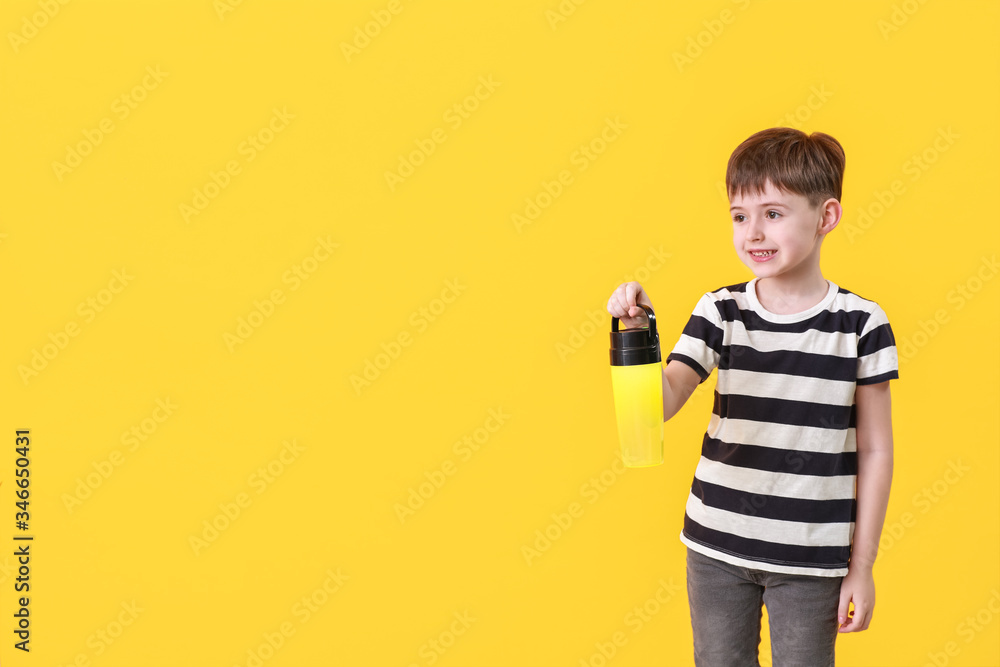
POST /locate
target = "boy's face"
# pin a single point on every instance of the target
(784, 224)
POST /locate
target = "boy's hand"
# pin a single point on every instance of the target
(623, 305)
(858, 587)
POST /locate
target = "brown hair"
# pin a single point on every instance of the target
(809, 165)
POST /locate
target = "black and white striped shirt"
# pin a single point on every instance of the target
(775, 486)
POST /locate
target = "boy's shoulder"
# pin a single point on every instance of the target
(735, 287)
(725, 302)
(854, 296)
(864, 314)
(728, 291)
(852, 301)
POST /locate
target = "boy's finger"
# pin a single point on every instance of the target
(630, 294)
(845, 602)
(861, 616)
(843, 607)
(857, 622)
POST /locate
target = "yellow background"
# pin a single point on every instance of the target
(885, 78)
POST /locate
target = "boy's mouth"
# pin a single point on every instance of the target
(762, 255)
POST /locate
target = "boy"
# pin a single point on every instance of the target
(790, 493)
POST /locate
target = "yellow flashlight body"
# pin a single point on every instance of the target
(638, 394)
(637, 384)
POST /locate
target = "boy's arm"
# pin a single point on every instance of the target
(679, 382)
(874, 440)
(873, 430)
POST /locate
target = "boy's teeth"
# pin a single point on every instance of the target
(762, 254)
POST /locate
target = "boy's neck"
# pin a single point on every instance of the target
(790, 296)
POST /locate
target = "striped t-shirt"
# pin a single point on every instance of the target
(774, 488)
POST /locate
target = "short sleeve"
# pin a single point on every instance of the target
(700, 344)
(877, 356)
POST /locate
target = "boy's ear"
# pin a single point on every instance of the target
(830, 213)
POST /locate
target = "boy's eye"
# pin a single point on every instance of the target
(739, 216)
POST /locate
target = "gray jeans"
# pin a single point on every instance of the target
(726, 614)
